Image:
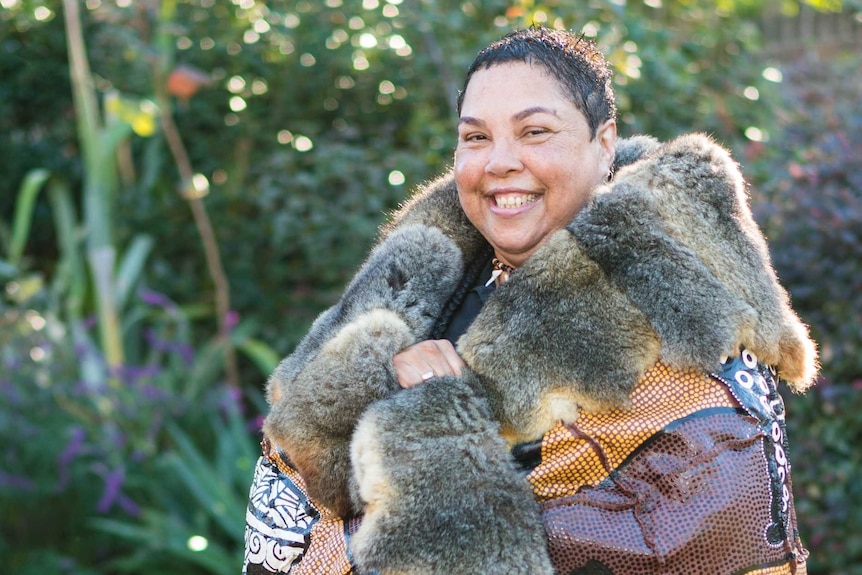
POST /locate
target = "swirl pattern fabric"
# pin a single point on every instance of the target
(287, 532)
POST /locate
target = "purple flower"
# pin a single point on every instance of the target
(12, 362)
(185, 351)
(10, 392)
(256, 424)
(113, 485)
(132, 373)
(113, 494)
(126, 504)
(153, 393)
(156, 299)
(231, 319)
(16, 481)
(230, 399)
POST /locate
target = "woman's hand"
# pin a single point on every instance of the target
(426, 359)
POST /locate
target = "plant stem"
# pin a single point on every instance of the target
(205, 230)
(99, 186)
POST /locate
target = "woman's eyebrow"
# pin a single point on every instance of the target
(524, 114)
(471, 121)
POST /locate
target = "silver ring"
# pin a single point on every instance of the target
(427, 376)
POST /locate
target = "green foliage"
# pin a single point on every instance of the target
(316, 103)
(198, 501)
(810, 194)
(812, 205)
(86, 465)
(311, 121)
(678, 64)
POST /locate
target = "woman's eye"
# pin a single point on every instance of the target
(536, 131)
(474, 137)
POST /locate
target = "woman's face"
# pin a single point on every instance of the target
(525, 163)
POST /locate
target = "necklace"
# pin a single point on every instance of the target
(501, 272)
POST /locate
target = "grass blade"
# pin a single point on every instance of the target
(27, 195)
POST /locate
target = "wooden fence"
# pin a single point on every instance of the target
(812, 30)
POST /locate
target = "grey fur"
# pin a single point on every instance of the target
(516, 346)
(692, 196)
(436, 205)
(630, 150)
(344, 363)
(666, 264)
(444, 495)
(663, 278)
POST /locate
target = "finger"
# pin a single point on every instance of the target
(439, 356)
(424, 360)
(411, 376)
(447, 353)
(410, 368)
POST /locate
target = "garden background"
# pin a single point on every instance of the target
(186, 184)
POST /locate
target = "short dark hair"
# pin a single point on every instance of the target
(575, 62)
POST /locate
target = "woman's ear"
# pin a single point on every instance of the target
(606, 135)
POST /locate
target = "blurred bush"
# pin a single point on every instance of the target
(810, 205)
(163, 460)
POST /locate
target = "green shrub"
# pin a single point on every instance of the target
(810, 204)
(134, 478)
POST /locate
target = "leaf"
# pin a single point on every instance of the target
(71, 280)
(263, 356)
(206, 485)
(131, 267)
(27, 195)
(164, 533)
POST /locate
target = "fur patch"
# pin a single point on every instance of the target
(460, 506)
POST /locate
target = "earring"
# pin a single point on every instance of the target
(610, 175)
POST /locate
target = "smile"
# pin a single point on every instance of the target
(509, 201)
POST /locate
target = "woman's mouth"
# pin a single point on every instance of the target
(511, 201)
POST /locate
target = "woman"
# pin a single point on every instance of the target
(560, 358)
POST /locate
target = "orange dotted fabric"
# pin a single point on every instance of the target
(663, 395)
(780, 570)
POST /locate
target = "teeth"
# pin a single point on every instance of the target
(514, 201)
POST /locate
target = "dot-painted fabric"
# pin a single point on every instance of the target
(584, 454)
(692, 478)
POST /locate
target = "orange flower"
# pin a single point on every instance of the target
(185, 81)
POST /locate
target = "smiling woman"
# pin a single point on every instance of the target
(526, 160)
(561, 357)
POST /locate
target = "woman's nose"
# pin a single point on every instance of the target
(503, 158)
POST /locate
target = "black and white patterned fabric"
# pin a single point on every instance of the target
(278, 521)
